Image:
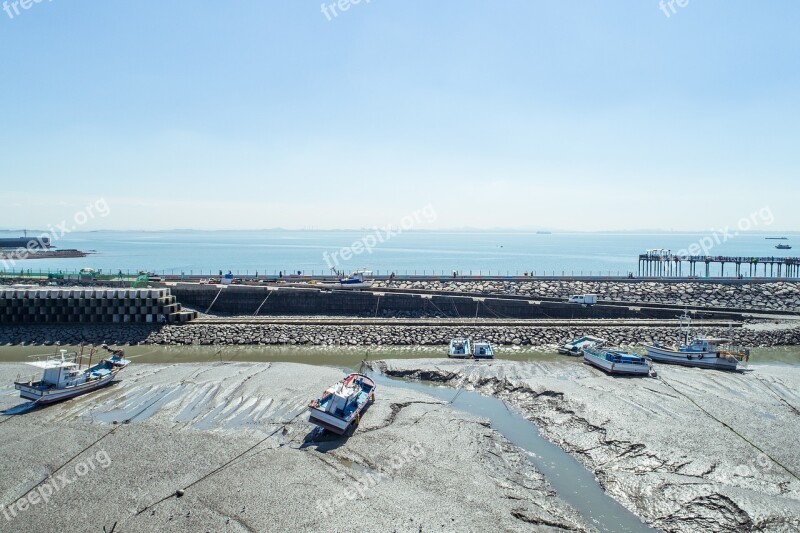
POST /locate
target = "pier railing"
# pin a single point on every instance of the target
(672, 265)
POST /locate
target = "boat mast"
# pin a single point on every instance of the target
(685, 324)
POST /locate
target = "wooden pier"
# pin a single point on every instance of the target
(661, 265)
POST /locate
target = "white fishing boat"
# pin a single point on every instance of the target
(355, 281)
(576, 347)
(699, 351)
(483, 350)
(615, 361)
(343, 404)
(460, 348)
(64, 376)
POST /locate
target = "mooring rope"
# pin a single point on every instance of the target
(213, 301)
(262, 303)
(748, 441)
(179, 492)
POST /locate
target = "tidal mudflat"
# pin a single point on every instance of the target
(691, 450)
(225, 446)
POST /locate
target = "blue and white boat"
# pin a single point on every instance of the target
(699, 351)
(343, 404)
(355, 281)
(64, 377)
(616, 361)
(483, 350)
(460, 348)
(576, 347)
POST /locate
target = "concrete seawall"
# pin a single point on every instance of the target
(246, 300)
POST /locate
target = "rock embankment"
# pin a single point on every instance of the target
(778, 296)
(369, 335)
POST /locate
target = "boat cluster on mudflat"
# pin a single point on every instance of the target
(696, 351)
(464, 348)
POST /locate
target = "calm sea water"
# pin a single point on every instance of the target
(413, 252)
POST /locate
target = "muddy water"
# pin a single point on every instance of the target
(347, 357)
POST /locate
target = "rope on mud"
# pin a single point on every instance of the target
(731, 429)
(75, 456)
(180, 492)
(111, 431)
(142, 354)
(778, 396)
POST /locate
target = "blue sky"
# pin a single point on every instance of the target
(576, 115)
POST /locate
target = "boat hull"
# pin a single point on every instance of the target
(697, 360)
(47, 396)
(626, 369)
(462, 351)
(329, 422)
(345, 286)
(336, 424)
(576, 347)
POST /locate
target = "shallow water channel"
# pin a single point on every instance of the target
(572, 481)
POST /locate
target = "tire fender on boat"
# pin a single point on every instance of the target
(700, 356)
(689, 356)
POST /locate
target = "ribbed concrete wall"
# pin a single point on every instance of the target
(246, 300)
(89, 306)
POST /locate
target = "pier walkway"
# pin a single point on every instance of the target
(672, 265)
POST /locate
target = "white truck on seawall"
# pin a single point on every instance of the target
(585, 299)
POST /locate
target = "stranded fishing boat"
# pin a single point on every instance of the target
(65, 378)
(460, 348)
(342, 405)
(354, 281)
(576, 347)
(483, 350)
(616, 361)
(699, 351)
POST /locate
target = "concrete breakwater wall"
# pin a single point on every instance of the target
(245, 300)
(362, 335)
(779, 296)
(79, 305)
